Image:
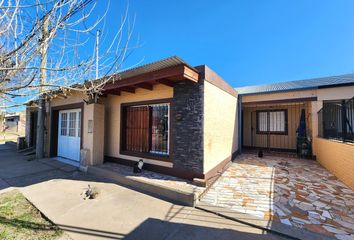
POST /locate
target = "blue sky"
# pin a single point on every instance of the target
(247, 42)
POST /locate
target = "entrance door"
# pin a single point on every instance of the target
(69, 131)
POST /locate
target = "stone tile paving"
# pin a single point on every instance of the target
(296, 192)
(157, 178)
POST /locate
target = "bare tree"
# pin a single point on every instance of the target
(44, 52)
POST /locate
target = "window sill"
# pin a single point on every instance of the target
(152, 156)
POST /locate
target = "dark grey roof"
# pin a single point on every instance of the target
(347, 79)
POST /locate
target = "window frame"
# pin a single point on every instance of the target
(147, 155)
(285, 132)
(62, 126)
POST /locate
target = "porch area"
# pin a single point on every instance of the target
(279, 126)
(295, 192)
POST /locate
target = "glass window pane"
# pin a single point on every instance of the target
(159, 128)
(72, 124)
(277, 121)
(262, 122)
(79, 125)
(63, 124)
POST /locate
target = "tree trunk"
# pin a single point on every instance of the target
(40, 129)
(41, 101)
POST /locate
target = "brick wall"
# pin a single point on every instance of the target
(337, 157)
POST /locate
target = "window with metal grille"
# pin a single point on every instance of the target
(272, 122)
(146, 128)
(64, 122)
(336, 120)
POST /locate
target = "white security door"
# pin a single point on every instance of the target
(69, 134)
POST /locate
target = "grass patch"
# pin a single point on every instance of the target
(19, 219)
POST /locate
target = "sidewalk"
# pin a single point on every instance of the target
(117, 213)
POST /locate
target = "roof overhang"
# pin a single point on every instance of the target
(167, 76)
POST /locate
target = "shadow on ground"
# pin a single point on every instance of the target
(118, 213)
(154, 229)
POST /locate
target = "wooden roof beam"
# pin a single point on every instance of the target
(146, 86)
(166, 82)
(179, 72)
(127, 89)
(113, 92)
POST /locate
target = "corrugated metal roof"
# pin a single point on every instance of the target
(314, 83)
(154, 66)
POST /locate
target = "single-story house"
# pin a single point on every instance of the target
(188, 122)
(180, 120)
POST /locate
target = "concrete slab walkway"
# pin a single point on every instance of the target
(117, 212)
(17, 170)
(292, 191)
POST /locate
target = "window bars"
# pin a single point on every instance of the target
(336, 120)
(146, 128)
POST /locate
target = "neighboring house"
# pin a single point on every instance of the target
(188, 122)
(313, 117)
(14, 122)
(180, 120)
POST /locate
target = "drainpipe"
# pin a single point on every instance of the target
(239, 116)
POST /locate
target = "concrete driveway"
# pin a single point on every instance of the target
(117, 213)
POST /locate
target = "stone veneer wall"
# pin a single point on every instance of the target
(187, 132)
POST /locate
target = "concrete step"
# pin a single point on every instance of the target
(174, 195)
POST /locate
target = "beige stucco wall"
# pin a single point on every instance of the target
(279, 96)
(94, 140)
(220, 125)
(70, 99)
(334, 93)
(337, 93)
(113, 106)
(338, 158)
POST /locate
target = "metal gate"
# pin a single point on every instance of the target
(276, 127)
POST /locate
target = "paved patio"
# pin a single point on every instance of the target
(292, 191)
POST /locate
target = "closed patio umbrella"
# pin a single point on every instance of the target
(301, 130)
